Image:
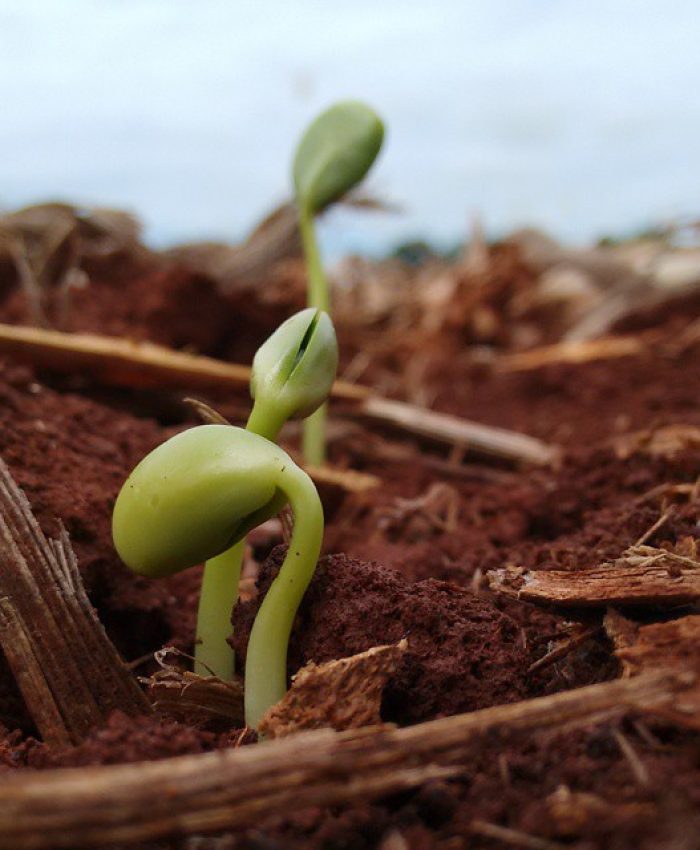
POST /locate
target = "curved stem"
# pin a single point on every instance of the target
(266, 660)
(220, 579)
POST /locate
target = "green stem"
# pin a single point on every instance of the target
(318, 295)
(266, 661)
(314, 436)
(220, 579)
(218, 595)
(265, 422)
(314, 427)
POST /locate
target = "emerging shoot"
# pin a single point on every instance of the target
(200, 492)
(293, 371)
(333, 156)
(292, 375)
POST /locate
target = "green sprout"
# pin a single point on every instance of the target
(200, 492)
(292, 374)
(334, 154)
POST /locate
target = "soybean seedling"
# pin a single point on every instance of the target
(334, 154)
(203, 490)
(292, 375)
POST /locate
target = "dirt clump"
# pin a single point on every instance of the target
(463, 653)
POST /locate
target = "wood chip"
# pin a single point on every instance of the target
(643, 575)
(341, 694)
(187, 696)
(672, 645)
(68, 671)
(135, 803)
(665, 442)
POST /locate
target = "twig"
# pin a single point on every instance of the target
(451, 430)
(650, 532)
(231, 789)
(29, 284)
(641, 774)
(513, 836)
(68, 671)
(571, 352)
(563, 649)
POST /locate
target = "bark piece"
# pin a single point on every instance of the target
(68, 671)
(643, 575)
(133, 803)
(187, 696)
(672, 645)
(342, 694)
(665, 442)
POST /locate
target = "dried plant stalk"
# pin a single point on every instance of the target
(67, 670)
(454, 431)
(123, 362)
(571, 352)
(233, 789)
(643, 575)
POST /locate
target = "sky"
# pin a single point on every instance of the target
(582, 118)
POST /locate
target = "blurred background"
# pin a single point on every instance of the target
(579, 118)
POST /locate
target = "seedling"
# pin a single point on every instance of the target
(334, 154)
(292, 375)
(200, 492)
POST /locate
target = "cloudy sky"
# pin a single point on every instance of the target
(580, 117)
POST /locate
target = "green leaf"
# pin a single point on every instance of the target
(335, 153)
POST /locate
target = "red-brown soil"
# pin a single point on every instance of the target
(410, 563)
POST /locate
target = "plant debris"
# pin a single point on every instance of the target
(670, 645)
(68, 671)
(642, 575)
(341, 694)
(186, 696)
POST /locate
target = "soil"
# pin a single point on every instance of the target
(404, 560)
(462, 654)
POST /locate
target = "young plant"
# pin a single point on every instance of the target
(198, 493)
(334, 154)
(292, 375)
